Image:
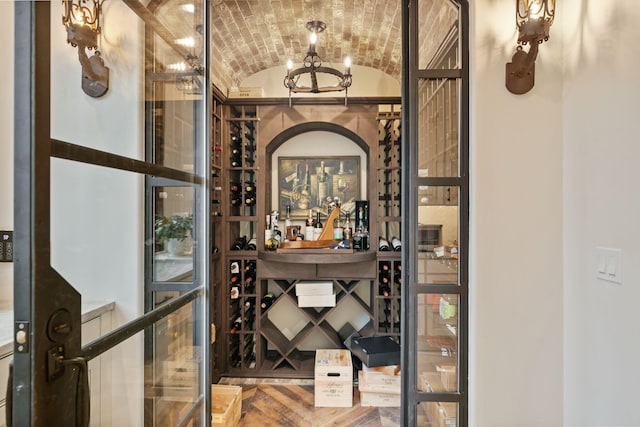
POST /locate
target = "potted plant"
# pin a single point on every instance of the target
(176, 230)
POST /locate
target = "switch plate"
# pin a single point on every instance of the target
(6, 246)
(609, 264)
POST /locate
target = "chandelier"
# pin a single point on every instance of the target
(305, 78)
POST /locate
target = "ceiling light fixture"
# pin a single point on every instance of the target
(82, 20)
(533, 19)
(305, 78)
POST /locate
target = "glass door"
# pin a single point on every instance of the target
(111, 300)
(435, 207)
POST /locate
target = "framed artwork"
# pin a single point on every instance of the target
(313, 182)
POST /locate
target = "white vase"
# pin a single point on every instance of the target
(176, 246)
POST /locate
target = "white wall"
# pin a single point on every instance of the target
(601, 176)
(516, 335)
(6, 140)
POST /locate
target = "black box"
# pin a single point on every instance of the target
(376, 351)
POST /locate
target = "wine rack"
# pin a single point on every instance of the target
(389, 275)
(239, 199)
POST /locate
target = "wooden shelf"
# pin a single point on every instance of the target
(333, 256)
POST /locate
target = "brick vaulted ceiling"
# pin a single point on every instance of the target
(253, 35)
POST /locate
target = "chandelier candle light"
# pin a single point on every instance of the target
(312, 66)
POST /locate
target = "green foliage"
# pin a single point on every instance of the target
(173, 227)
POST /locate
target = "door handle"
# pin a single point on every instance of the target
(83, 403)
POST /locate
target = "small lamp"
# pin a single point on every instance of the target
(533, 19)
(82, 20)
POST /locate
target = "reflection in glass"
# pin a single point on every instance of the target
(173, 238)
(174, 384)
(439, 44)
(438, 235)
(437, 346)
(443, 414)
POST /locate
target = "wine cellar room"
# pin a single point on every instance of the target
(286, 156)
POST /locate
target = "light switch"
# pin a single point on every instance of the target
(609, 264)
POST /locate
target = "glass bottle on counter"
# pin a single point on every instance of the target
(287, 223)
(347, 231)
(317, 231)
(309, 227)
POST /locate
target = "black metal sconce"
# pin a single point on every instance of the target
(533, 18)
(82, 20)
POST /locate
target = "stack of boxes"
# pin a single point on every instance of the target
(315, 294)
(379, 386)
(333, 379)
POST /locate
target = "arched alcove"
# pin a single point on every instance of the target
(316, 140)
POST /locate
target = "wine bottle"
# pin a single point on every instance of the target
(347, 231)
(236, 162)
(236, 325)
(250, 201)
(267, 300)
(249, 265)
(338, 231)
(287, 223)
(236, 201)
(383, 245)
(234, 187)
(318, 227)
(384, 266)
(396, 244)
(234, 267)
(357, 239)
(239, 243)
(251, 244)
(309, 227)
(397, 278)
(249, 281)
(249, 188)
(385, 290)
(250, 302)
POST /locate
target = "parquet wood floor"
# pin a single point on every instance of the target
(292, 405)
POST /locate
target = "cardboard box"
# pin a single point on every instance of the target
(448, 376)
(383, 379)
(333, 379)
(226, 405)
(381, 400)
(376, 351)
(317, 300)
(314, 288)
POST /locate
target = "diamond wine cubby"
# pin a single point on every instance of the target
(291, 331)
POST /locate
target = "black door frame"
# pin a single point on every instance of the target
(48, 384)
(411, 76)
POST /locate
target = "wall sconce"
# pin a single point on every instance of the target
(82, 20)
(533, 18)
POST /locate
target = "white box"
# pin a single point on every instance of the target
(314, 288)
(382, 379)
(317, 300)
(333, 379)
